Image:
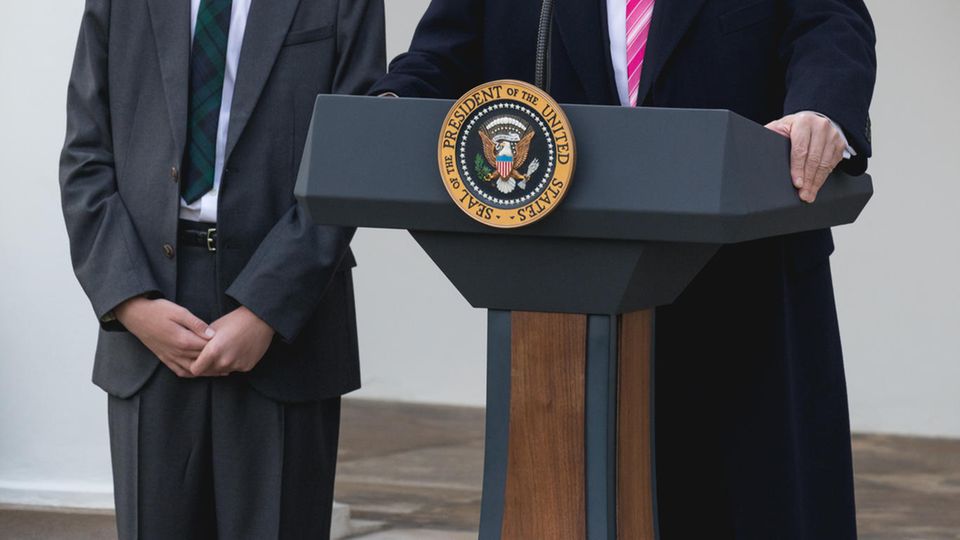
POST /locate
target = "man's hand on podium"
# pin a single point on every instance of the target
(818, 145)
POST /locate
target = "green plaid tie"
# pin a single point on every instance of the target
(207, 65)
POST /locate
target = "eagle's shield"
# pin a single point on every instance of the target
(504, 166)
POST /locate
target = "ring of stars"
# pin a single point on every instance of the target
(546, 173)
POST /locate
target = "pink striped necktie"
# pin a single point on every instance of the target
(639, 14)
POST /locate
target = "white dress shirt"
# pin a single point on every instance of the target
(205, 208)
(617, 23)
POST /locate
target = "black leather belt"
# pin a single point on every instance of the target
(196, 234)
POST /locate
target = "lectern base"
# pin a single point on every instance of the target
(569, 442)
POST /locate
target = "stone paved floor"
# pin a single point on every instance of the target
(421, 466)
(412, 472)
(907, 489)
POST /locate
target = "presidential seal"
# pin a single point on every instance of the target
(507, 154)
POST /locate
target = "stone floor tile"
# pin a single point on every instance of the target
(418, 534)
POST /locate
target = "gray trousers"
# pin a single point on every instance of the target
(212, 458)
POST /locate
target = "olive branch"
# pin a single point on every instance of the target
(481, 168)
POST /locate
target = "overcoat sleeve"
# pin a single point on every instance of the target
(829, 52)
(445, 57)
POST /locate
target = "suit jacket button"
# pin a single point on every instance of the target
(174, 174)
(168, 251)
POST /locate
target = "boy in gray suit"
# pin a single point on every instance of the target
(228, 331)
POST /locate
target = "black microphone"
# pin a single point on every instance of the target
(544, 36)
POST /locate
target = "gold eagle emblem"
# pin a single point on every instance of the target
(506, 153)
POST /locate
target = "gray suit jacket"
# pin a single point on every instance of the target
(126, 125)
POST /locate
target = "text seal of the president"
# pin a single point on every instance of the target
(507, 154)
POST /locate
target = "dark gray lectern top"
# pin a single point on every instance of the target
(654, 195)
(678, 175)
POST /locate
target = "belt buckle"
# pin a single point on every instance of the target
(212, 239)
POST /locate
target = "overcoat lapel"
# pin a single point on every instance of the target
(671, 20)
(266, 30)
(582, 25)
(171, 32)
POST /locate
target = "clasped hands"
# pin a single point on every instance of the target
(190, 347)
(817, 147)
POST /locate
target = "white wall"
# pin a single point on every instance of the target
(898, 269)
(895, 269)
(52, 420)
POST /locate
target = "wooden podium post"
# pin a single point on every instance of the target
(577, 385)
(636, 488)
(545, 464)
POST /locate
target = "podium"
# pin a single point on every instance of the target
(570, 367)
